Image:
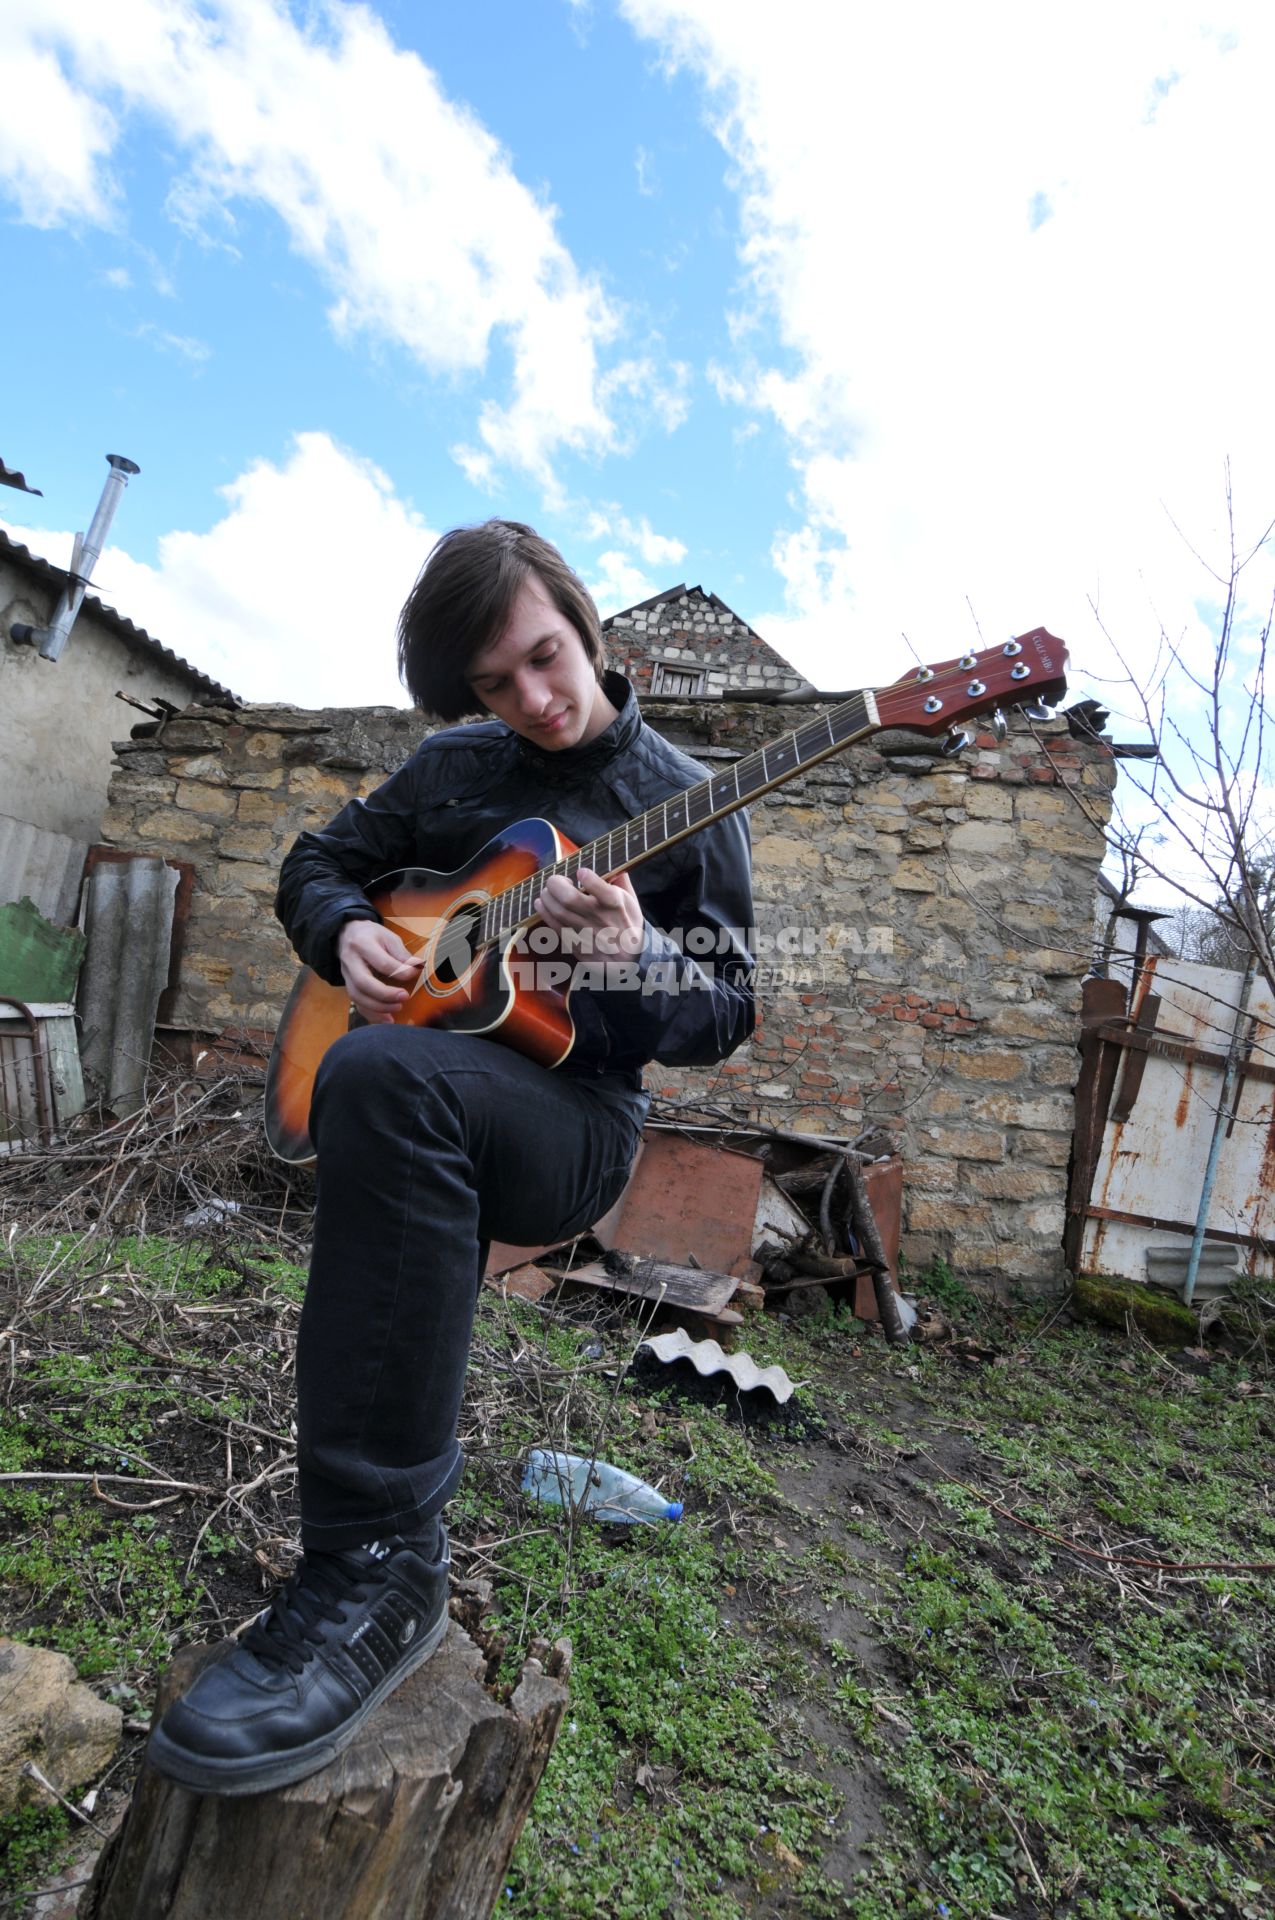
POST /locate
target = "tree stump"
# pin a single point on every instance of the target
(416, 1820)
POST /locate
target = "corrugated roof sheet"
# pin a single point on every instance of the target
(132, 635)
(128, 916)
(41, 866)
(10, 477)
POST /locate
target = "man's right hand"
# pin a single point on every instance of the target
(377, 969)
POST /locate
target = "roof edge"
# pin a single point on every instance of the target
(117, 623)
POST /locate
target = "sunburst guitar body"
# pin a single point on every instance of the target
(499, 990)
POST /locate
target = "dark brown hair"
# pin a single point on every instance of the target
(462, 601)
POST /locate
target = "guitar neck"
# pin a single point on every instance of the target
(685, 813)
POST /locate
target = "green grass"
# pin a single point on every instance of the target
(1043, 1734)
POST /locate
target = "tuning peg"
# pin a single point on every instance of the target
(997, 721)
(1036, 710)
(957, 741)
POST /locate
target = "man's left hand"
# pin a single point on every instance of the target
(607, 911)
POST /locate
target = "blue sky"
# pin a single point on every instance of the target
(875, 321)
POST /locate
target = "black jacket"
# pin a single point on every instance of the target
(465, 784)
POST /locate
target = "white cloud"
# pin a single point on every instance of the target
(618, 583)
(656, 549)
(397, 196)
(54, 141)
(196, 353)
(293, 595)
(980, 400)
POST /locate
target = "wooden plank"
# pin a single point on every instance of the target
(692, 1287)
(1135, 1062)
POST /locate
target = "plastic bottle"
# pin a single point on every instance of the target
(592, 1486)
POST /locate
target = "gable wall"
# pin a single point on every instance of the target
(692, 630)
(58, 718)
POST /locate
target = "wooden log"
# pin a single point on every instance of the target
(416, 1820)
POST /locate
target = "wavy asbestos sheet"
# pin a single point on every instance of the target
(707, 1359)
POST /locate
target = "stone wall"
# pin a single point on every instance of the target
(688, 629)
(923, 927)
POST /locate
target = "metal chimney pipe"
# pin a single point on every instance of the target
(87, 552)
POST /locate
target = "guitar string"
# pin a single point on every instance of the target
(456, 947)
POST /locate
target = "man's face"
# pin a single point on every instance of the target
(537, 678)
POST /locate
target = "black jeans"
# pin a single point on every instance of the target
(429, 1145)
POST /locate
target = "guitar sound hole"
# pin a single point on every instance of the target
(454, 950)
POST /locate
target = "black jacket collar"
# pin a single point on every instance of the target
(573, 763)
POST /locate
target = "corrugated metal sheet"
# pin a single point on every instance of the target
(45, 868)
(132, 635)
(10, 477)
(708, 1359)
(1151, 1164)
(128, 917)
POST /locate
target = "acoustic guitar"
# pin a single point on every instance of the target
(479, 974)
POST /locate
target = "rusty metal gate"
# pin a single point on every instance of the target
(1146, 1105)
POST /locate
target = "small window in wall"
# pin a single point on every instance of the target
(686, 682)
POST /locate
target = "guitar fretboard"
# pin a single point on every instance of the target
(681, 814)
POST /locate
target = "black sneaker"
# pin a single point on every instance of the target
(298, 1685)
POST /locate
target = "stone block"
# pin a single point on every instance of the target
(241, 876)
(256, 805)
(1041, 1115)
(778, 850)
(119, 827)
(968, 1143)
(169, 826)
(982, 836)
(987, 1063)
(203, 766)
(309, 781)
(1033, 1020)
(50, 1717)
(1042, 803)
(1046, 1219)
(1059, 1067)
(917, 876)
(1012, 1181)
(937, 1212)
(206, 968)
(1064, 839)
(986, 801)
(927, 1173)
(214, 803)
(246, 843)
(790, 819)
(1049, 1149)
(191, 736)
(132, 789)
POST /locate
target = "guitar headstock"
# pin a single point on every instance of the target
(1029, 669)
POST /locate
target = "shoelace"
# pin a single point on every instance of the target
(320, 1589)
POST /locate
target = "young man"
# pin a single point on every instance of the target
(431, 1143)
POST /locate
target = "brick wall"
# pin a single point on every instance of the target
(923, 927)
